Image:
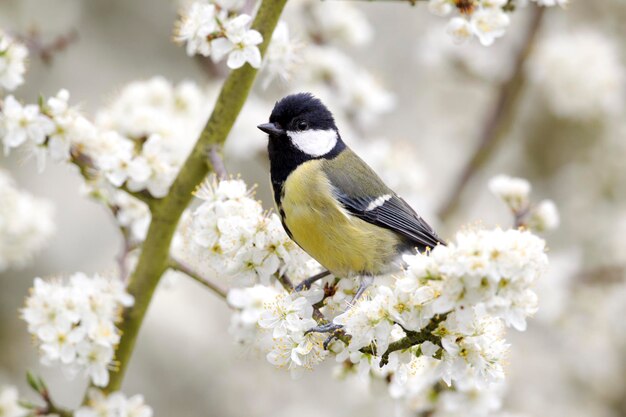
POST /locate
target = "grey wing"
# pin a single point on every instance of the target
(365, 196)
(394, 214)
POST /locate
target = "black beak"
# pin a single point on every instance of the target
(271, 129)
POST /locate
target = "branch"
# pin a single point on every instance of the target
(88, 170)
(499, 121)
(186, 269)
(46, 51)
(166, 213)
(50, 407)
(415, 338)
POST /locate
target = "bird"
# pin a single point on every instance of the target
(331, 203)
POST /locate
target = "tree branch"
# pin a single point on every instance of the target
(499, 121)
(154, 258)
(186, 269)
(88, 170)
(46, 51)
(415, 338)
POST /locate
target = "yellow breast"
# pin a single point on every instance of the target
(342, 243)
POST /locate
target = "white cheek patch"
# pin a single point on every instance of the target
(314, 142)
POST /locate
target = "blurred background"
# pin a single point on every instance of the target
(546, 101)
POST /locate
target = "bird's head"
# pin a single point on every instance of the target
(300, 123)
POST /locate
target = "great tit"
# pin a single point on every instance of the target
(331, 203)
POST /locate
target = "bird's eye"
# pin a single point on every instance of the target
(302, 125)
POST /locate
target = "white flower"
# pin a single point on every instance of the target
(368, 322)
(284, 315)
(513, 191)
(473, 347)
(489, 24)
(19, 124)
(459, 29)
(144, 136)
(195, 26)
(74, 323)
(250, 303)
(282, 55)
(544, 217)
(26, 224)
(591, 94)
(9, 403)
(13, 57)
(337, 22)
(113, 405)
(440, 7)
(297, 352)
(355, 90)
(240, 44)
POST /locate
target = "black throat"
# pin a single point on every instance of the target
(285, 158)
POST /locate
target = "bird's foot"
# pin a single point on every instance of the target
(306, 284)
(325, 328)
(332, 328)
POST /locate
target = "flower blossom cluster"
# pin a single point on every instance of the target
(215, 29)
(515, 192)
(74, 323)
(10, 404)
(485, 19)
(26, 224)
(231, 235)
(113, 405)
(592, 94)
(451, 305)
(139, 141)
(13, 57)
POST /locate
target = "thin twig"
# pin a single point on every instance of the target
(180, 266)
(88, 170)
(499, 121)
(217, 163)
(46, 51)
(127, 248)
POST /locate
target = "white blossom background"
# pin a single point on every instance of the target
(572, 359)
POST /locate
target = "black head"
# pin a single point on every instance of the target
(299, 112)
(300, 129)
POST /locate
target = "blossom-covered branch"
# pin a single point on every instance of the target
(153, 260)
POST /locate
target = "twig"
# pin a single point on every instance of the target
(217, 163)
(285, 282)
(499, 120)
(166, 212)
(50, 408)
(288, 286)
(127, 247)
(46, 51)
(415, 338)
(88, 170)
(180, 266)
(306, 284)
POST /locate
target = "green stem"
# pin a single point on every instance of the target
(166, 213)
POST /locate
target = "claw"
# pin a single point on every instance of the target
(306, 284)
(330, 338)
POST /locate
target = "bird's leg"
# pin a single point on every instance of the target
(333, 328)
(366, 281)
(306, 284)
